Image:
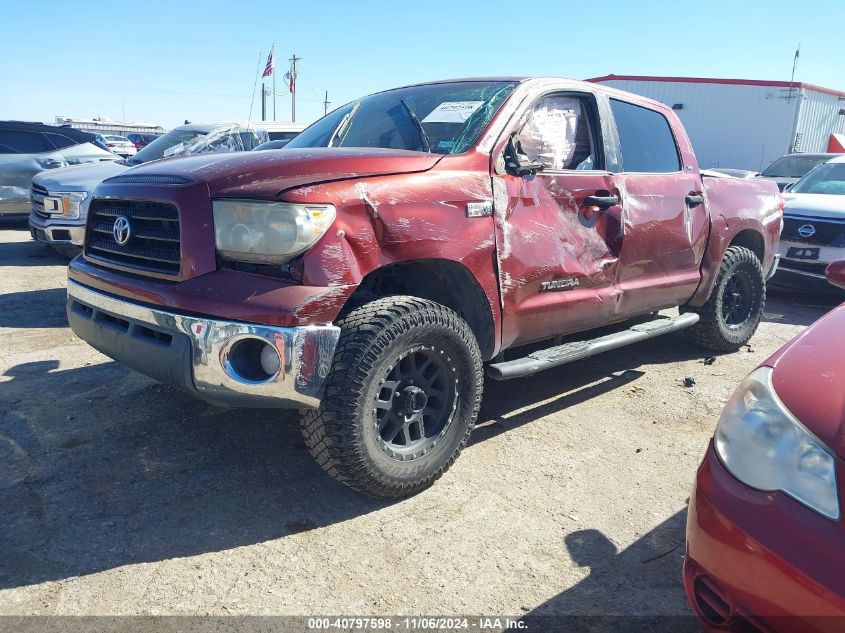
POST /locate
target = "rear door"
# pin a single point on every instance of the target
(665, 220)
(557, 250)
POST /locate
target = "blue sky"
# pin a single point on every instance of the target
(167, 61)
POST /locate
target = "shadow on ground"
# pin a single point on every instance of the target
(620, 585)
(798, 308)
(107, 468)
(510, 404)
(29, 253)
(34, 309)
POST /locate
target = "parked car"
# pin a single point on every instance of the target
(814, 228)
(364, 273)
(281, 131)
(120, 145)
(140, 141)
(735, 173)
(60, 221)
(764, 531)
(29, 148)
(787, 170)
(272, 145)
(101, 142)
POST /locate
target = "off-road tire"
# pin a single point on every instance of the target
(712, 331)
(343, 434)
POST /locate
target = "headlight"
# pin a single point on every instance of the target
(67, 205)
(268, 232)
(764, 446)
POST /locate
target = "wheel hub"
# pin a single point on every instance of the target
(415, 402)
(737, 300)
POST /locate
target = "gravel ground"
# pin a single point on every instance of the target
(120, 496)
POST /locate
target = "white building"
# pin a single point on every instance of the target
(104, 125)
(746, 124)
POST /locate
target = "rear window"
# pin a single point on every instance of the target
(22, 142)
(648, 144)
(793, 166)
(282, 136)
(60, 141)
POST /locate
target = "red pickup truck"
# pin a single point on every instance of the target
(367, 273)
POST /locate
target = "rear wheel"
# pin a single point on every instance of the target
(732, 313)
(401, 397)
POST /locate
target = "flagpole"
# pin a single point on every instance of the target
(794, 65)
(274, 80)
(254, 86)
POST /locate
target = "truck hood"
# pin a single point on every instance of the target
(267, 173)
(809, 377)
(817, 205)
(79, 177)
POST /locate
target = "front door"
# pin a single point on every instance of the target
(558, 231)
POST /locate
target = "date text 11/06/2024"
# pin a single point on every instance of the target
(417, 624)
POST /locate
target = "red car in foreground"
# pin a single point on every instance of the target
(765, 533)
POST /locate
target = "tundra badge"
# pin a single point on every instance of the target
(559, 284)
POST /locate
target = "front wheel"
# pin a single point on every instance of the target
(732, 313)
(401, 397)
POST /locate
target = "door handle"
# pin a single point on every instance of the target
(602, 202)
(695, 199)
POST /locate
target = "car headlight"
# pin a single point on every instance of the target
(66, 204)
(764, 446)
(267, 232)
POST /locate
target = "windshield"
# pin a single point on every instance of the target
(792, 166)
(442, 118)
(177, 142)
(826, 179)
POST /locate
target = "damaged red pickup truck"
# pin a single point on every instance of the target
(367, 272)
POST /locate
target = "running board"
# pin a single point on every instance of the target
(577, 350)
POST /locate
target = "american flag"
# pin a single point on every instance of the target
(271, 62)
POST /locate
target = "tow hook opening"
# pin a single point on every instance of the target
(251, 360)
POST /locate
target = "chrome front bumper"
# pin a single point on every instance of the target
(52, 231)
(197, 353)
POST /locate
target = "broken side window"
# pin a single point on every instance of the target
(556, 134)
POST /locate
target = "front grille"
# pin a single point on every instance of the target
(827, 232)
(36, 197)
(153, 244)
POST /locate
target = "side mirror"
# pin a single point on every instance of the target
(517, 163)
(787, 187)
(836, 273)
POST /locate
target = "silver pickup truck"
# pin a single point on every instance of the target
(60, 197)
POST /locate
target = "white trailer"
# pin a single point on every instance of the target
(744, 123)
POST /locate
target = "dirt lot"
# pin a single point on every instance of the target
(120, 496)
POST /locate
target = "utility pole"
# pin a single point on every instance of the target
(326, 104)
(293, 61)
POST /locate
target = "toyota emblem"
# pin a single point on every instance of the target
(806, 230)
(121, 230)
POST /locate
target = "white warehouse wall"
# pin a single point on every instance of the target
(730, 125)
(819, 117)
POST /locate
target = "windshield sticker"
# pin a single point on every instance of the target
(452, 112)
